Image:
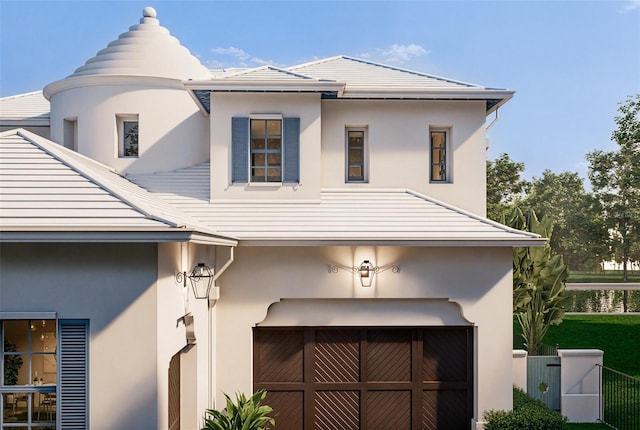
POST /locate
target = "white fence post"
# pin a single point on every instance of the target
(520, 369)
(580, 384)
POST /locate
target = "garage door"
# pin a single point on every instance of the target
(366, 378)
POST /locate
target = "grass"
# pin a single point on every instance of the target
(606, 277)
(616, 335)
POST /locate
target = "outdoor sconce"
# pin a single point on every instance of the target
(365, 270)
(201, 278)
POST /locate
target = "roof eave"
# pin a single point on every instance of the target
(46, 234)
(449, 243)
(245, 85)
(435, 93)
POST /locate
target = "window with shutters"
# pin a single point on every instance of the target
(29, 373)
(44, 374)
(265, 149)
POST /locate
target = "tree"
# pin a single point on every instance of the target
(579, 232)
(539, 277)
(505, 187)
(615, 180)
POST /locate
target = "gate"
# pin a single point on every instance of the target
(543, 380)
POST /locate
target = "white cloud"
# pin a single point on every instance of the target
(631, 5)
(232, 51)
(236, 57)
(396, 53)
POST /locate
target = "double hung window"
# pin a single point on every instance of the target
(265, 149)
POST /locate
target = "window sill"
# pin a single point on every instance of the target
(264, 184)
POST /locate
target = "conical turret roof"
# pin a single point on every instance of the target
(147, 49)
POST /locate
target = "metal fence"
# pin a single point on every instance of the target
(547, 350)
(620, 402)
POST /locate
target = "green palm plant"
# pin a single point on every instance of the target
(244, 414)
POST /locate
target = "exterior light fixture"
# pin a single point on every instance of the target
(201, 278)
(365, 271)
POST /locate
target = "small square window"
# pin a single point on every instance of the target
(356, 154)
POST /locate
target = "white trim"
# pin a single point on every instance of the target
(364, 312)
(74, 82)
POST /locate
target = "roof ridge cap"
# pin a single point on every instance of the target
(16, 96)
(100, 181)
(413, 72)
(473, 215)
(319, 61)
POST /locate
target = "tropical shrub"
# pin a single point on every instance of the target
(244, 414)
(527, 414)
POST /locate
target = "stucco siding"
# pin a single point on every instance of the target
(113, 286)
(173, 133)
(478, 280)
(397, 147)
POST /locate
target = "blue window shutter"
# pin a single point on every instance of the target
(240, 150)
(73, 380)
(291, 162)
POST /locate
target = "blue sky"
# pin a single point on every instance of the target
(570, 62)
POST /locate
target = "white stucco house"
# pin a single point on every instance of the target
(340, 208)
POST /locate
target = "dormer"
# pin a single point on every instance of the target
(266, 126)
(127, 106)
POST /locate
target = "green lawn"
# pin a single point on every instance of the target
(608, 276)
(616, 335)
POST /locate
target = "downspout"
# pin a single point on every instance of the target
(491, 125)
(212, 303)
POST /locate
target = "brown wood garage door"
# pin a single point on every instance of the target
(366, 378)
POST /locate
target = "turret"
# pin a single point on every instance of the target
(127, 106)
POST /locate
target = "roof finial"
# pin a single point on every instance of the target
(149, 12)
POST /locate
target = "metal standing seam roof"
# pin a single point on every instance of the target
(29, 108)
(341, 216)
(47, 188)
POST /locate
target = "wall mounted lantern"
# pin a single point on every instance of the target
(201, 278)
(365, 271)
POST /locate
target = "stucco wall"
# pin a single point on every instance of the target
(226, 106)
(173, 133)
(113, 286)
(479, 280)
(398, 146)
